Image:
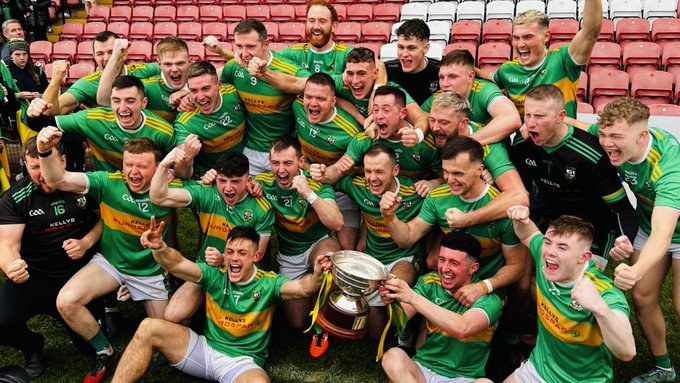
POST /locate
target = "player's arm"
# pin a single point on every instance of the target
(404, 234)
(167, 257)
(608, 186)
(418, 118)
(484, 74)
(280, 81)
(576, 123)
(327, 210)
(61, 103)
(111, 71)
(192, 146)
(581, 46)
(351, 109)
(525, 228)
(159, 192)
(504, 121)
(332, 174)
(10, 259)
(51, 165)
(308, 285)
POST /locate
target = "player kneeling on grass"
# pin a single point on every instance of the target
(583, 317)
(240, 300)
(458, 338)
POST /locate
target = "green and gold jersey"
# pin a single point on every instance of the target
(85, 89)
(297, 223)
(220, 132)
(565, 329)
(106, 139)
(158, 93)
(126, 216)
(482, 96)
(240, 315)
(379, 242)
(331, 61)
(445, 354)
(326, 142)
(343, 91)
(655, 181)
(216, 218)
(492, 236)
(558, 68)
(417, 162)
(269, 113)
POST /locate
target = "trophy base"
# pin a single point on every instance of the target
(340, 323)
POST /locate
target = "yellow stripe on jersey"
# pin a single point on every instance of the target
(116, 176)
(226, 141)
(359, 181)
(657, 134)
(477, 86)
(267, 178)
(159, 125)
(125, 223)
(644, 199)
(284, 66)
(115, 159)
(565, 329)
(487, 150)
(483, 336)
(429, 142)
(315, 186)
(615, 196)
(93, 77)
(227, 89)
(432, 279)
(300, 47)
(493, 192)
(406, 191)
(297, 225)
(152, 80)
(346, 126)
(378, 226)
(238, 325)
(600, 284)
(101, 115)
(259, 104)
(214, 226)
(568, 89)
(363, 136)
(314, 154)
(341, 47)
(265, 274)
(441, 192)
(264, 204)
(184, 118)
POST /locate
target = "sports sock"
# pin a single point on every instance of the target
(662, 362)
(100, 344)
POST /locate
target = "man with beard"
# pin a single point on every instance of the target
(126, 211)
(106, 130)
(321, 54)
(488, 106)
(46, 236)
(306, 214)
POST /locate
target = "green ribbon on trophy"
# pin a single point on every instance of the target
(324, 289)
(395, 311)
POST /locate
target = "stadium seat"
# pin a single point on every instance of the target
(390, 12)
(563, 29)
(257, 12)
(230, 30)
(641, 56)
(440, 31)
(652, 87)
(71, 31)
(393, 36)
(606, 55)
(606, 86)
(99, 13)
(121, 13)
(346, 32)
(497, 30)
(344, 1)
(561, 9)
(295, 32)
(85, 51)
(436, 50)
(624, 8)
(360, 12)
(119, 28)
(490, 56)
(142, 13)
(668, 110)
(210, 13)
(582, 87)
(376, 31)
(444, 11)
(165, 2)
(414, 11)
(189, 31)
(218, 30)
(41, 51)
(585, 108)
(214, 58)
(671, 58)
(253, 2)
(466, 31)
(140, 51)
(656, 9)
(272, 30)
(470, 10)
(632, 29)
(375, 47)
(665, 31)
(341, 10)
(582, 4)
(525, 5)
(470, 46)
(141, 31)
(500, 9)
(64, 50)
(187, 13)
(388, 52)
(92, 29)
(278, 47)
(557, 44)
(184, 2)
(300, 12)
(138, 3)
(48, 71)
(165, 13)
(161, 30)
(607, 31)
(78, 71)
(281, 13)
(196, 50)
(233, 13)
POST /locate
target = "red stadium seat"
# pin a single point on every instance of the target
(210, 13)
(278, 47)
(64, 50)
(257, 12)
(282, 13)
(121, 13)
(341, 10)
(497, 30)
(641, 56)
(85, 51)
(189, 31)
(607, 85)
(376, 31)
(119, 28)
(294, 32)
(252, 2)
(586, 108)
(360, 12)
(211, 2)
(233, 13)
(137, 3)
(375, 47)
(48, 71)
(300, 11)
(582, 87)
(665, 31)
(563, 29)
(490, 56)
(607, 31)
(165, 2)
(606, 55)
(141, 31)
(651, 87)
(196, 50)
(165, 13)
(348, 32)
(41, 51)
(187, 13)
(272, 30)
(184, 2)
(230, 30)
(387, 12)
(470, 46)
(140, 51)
(143, 13)
(218, 30)
(668, 110)
(216, 59)
(78, 71)
(161, 30)
(671, 58)
(71, 31)
(344, 2)
(558, 44)
(99, 13)
(634, 29)
(467, 30)
(90, 30)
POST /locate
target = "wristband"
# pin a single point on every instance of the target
(312, 197)
(165, 246)
(45, 154)
(420, 134)
(488, 285)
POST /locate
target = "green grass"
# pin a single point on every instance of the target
(289, 360)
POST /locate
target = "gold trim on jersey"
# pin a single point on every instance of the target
(283, 66)
(295, 224)
(214, 226)
(377, 226)
(226, 141)
(238, 325)
(159, 125)
(564, 329)
(115, 159)
(260, 104)
(125, 223)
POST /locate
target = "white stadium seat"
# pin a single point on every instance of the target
(605, 9)
(470, 10)
(414, 11)
(443, 10)
(525, 5)
(624, 8)
(436, 50)
(395, 26)
(500, 10)
(388, 52)
(656, 9)
(440, 31)
(562, 9)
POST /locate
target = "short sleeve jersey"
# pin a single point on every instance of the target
(656, 180)
(240, 316)
(85, 89)
(48, 219)
(298, 225)
(269, 113)
(482, 96)
(416, 162)
(326, 142)
(126, 216)
(565, 329)
(331, 61)
(445, 354)
(216, 218)
(419, 85)
(106, 139)
(343, 91)
(491, 236)
(220, 132)
(158, 93)
(558, 68)
(379, 242)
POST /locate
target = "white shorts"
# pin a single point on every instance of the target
(433, 377)
(526, 373)
(349, 210)
(141, 288)
(204, 362)
(259, 161)
(295, 267)
(642, 237)
(374, 299)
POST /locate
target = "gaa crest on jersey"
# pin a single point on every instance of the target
(570, 173)
(330, 140)
(248, 215)
(238, 108)
(575, 305)
(302, 203)
(434, 86)
(416, 157)
(81, 201)
(257, 296)
(332, 68)
(406, 205)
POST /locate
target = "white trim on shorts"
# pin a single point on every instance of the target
(642, 237)
(349, 210)
(526, 373)
(204, 362)
(374, 299)
(141, 288)
(432, 377)
(259, 161)
(295, 267)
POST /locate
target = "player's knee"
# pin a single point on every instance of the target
(172, 315)
(393, 362)
(643, 299)
(149, 328)
(67, 302)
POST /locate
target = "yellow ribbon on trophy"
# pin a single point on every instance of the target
(399, 320)
(324, 289)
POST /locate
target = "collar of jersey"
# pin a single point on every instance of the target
(649, 148)
(136, 130)
(408, 125)
(571, 284)
(482, 194)
(219, 106)
(335, 113)
(570, 131)
(313, 49)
